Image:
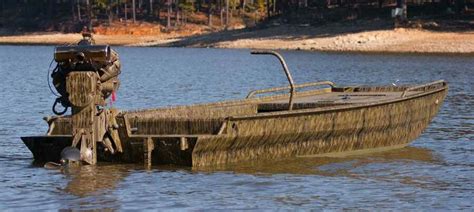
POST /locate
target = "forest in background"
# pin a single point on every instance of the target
(17, 16)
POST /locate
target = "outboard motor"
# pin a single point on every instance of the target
(86, 75)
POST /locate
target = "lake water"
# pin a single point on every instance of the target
(435, 172)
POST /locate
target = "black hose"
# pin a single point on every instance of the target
(48, 76)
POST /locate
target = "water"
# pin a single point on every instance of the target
(435, 172)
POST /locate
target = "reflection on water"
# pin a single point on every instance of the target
(328, 166)
(360, 167)
(98, 182)
(435, 172)
(93, 180)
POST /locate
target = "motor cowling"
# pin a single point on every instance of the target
(101, 60)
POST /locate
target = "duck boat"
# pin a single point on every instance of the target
(299, 120)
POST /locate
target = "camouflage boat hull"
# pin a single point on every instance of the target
(328, 120)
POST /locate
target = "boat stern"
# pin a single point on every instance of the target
(47, 148)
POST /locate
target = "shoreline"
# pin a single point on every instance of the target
(453, 54)
(327, 39)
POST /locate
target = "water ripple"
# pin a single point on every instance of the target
(435, 172)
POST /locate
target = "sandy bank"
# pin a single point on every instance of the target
(404, 41)
(343, 38)
(65, 39)
(328, 38)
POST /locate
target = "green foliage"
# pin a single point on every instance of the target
(261, 5)
(234, 3)
(187, 6)
(101, 4)
(60, 10)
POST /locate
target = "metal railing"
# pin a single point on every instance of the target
(304, 85)
(285, 68)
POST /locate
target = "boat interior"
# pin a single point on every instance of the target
(205, 119)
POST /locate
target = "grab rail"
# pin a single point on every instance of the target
(285, 68)
(270, 90)
(421, 86)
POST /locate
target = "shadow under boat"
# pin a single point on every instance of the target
(96, 180)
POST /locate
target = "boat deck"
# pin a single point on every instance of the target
(331, 99)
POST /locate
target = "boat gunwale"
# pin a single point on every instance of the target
(237, 102)
(341, 107)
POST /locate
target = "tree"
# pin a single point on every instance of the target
(226, 13)
(150, 8)
(177, 12)
(125, 11)
(209, 13)
(117, 7)
(78, 11)
(168, 18)
(268, 8)
(275, 3)
(50, 8)
(106, 5)
(73, 10)
(89, 14)
(133, 11)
